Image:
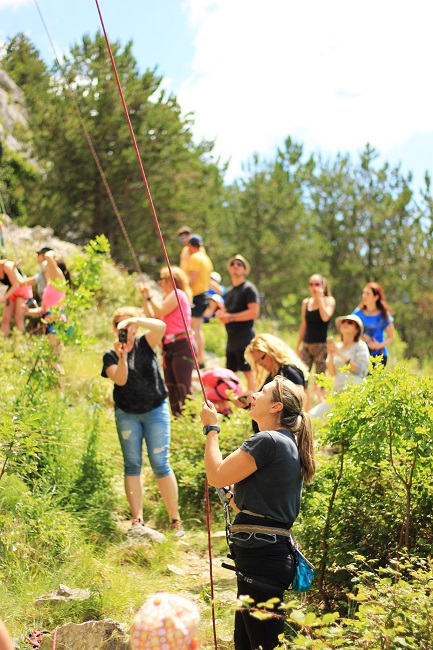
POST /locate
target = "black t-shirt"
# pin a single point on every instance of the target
(145, 389)
(274, 490)
(237, 299)
(290, 371)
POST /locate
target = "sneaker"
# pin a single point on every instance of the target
(136, 523)
(177, 528)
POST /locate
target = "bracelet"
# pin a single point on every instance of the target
(231, 318)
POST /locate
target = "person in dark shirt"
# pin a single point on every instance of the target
(241, 307)
(269, 356)
(316, 313)
(141, 411)
(267, 473)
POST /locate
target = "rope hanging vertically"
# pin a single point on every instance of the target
(164, 250)
(92, 148)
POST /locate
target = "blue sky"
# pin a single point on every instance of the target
(334, 75)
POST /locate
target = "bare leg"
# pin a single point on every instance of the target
(19, 315)
(6, 319)
(169, 492)
(134, 491)
(199, 337)
(249, 376)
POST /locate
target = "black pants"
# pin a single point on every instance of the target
(274, 563)
(178, 367)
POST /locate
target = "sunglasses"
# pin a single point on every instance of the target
(315, 284)
(236, 263)
(349, 322)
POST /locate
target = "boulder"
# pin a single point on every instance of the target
(63, 594)
(92, 635)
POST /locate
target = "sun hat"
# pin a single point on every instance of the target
(216, 276)
(242, 259)
(353, 317)
(165, 622)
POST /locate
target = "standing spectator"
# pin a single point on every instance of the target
(183, 234)
(53, 299)
(178, 361)
(347, 361)
(198, 268)
(15, 297)
(316, 315)
(241, 308)
(377, 320)
(141, 411)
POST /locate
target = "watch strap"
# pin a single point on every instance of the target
(210, 427)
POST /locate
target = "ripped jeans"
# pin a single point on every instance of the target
(152, 427)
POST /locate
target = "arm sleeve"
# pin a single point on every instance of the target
(110, 358)
(261, 447)
(251, 294)
(362, 359)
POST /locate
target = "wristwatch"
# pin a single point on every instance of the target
(210, 427)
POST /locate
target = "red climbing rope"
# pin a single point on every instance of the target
(161, 239)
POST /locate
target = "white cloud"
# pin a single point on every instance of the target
(334, 74)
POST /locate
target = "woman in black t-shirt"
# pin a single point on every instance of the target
(269, 356)
(267, 473)
(141, 411)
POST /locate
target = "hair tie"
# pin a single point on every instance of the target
(301, 413)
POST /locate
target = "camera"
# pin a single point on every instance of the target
(123, 335)
(31, 303)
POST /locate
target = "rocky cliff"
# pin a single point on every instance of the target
(13, 113)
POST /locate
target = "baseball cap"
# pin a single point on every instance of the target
(195, 240)
(44, 249)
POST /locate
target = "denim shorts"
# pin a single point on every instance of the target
(152, 427)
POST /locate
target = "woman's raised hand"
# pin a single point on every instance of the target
(209, 414)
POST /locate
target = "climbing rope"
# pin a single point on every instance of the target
(161, 239)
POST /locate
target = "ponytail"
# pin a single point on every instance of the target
(295, 419)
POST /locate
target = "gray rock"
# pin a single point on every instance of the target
(144, 535)
(63, 594)
(92, 635)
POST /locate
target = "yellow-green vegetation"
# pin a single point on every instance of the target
(64, 516)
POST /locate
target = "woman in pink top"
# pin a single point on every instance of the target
(52, 297)
(177, 356)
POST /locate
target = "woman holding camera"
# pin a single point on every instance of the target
(141, 410)
(267, 473)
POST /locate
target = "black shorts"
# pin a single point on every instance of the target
(200, 302)
(236, 360)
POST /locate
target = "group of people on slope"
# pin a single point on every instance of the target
(267, 472)
(365, 333)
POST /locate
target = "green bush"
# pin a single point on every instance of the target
(389, 608)
(373, 495)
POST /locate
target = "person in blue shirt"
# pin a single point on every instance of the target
(377, 320)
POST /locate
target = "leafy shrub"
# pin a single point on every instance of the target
(389, 608)
(374, 495)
